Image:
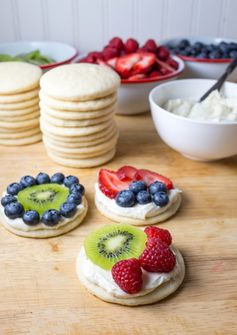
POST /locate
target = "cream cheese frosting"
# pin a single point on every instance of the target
(20, 225)
(138, 211)
(103, 278)
(215, 108)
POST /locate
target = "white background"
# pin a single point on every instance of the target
(89, 24)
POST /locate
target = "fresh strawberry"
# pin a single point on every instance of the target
(126, 173)
(101, 62)
(109, 52)
(172, 63)
(128, 275)
(89, 59)
(162, 53)
(125, 64)
(110, 184)
(155, 74)
(117, 43)
(165, 66)
(149, 177)
(137, 77)
(157, 257)
(131, 46)
(145, 63)
(112, 62)
(155, 232)
(150, 46)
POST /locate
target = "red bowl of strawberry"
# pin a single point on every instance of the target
(141, 68)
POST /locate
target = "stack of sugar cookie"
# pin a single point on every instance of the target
(19, 103)
(77, 105)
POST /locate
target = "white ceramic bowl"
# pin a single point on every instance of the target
(61, 52)
(133, 95)
(204, 68)
(205, 141)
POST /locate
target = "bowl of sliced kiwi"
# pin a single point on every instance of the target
(45, 54)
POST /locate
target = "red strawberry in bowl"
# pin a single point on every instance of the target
(131, 46)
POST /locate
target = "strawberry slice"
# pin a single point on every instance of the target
(112, 62)
(150, 177)
(127, 173)
(145, 63)
(110, 184)
(164, 65)
(125, 64)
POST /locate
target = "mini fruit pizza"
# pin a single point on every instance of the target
(136, 196)
(43, 207)
(133, 62)
(125, 265)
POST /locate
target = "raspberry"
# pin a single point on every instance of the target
(131, 46)
(163, 234)
(157, 257)
(117, 43)
(128, 275)
(163, 53)
(150, 46)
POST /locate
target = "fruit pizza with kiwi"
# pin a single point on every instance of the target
(126, 265)
(43, 206)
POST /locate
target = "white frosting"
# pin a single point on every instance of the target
(103, 278)
(137, 211)
(214, 108)
(19, 224)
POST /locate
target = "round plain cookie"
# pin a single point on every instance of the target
(75, 123)
(20, 105)
(20, 124)
(105, 146)
(80, 82)
(68, 115)
(12, 118)
(19, 112)
(12, 98)
(78, 144)
(18, 77)
(22, 141)
(49, 232)
(19, 133)
(83, 163)
(136, 222)
(81, 139)
(77, 106)
(158, 294)
(73, 131)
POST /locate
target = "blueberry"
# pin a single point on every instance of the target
(160, 199)
(137, 186)
(42, 178)
(125, 198)
(7, 199)
(27, 181)
(183, 44)
(77, 188)
(70, 180)
(233, 54)
(215, 54)
(57, 178)
(202, 55)
(13, 210)
(233, 46)
(143, 197)
(74, 198)
(157, 186)
(14, 188)
(51, 217)
(31, 218)
(68, 209)
(198, 45)
(224, 47)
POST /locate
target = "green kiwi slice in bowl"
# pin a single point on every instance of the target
(112, 243)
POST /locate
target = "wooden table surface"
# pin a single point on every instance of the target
(40, 293)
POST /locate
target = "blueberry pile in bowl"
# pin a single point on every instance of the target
(203, 50)
(42, 199)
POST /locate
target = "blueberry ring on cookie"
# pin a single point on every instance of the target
(43, 206)
(136, 196)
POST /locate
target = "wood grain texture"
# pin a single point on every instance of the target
(39, 290)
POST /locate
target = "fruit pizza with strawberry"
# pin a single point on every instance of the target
(136, 196)
(134, 62)
(126, 265)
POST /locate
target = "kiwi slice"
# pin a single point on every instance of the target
(112, 243)
(43, 197)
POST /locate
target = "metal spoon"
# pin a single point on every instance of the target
(221, 80)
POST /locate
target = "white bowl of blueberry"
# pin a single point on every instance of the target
(205, 57)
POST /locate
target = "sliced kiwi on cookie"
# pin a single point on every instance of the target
(112, 243)
(43, 197)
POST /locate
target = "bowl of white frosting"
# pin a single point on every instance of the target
(203, 131)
